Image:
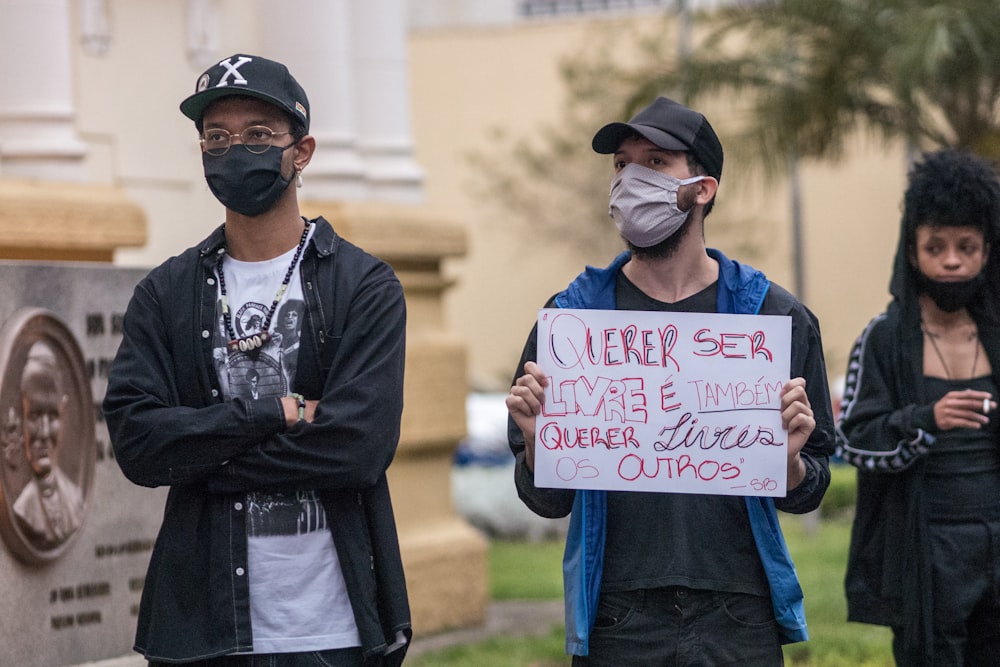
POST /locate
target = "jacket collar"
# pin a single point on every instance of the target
(324, 239)
(741, 287)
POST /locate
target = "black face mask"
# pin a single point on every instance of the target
(950, 297)
(245, 182)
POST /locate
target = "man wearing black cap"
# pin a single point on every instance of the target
(662, 578)
(278, 544)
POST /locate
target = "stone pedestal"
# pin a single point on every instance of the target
(444, 557)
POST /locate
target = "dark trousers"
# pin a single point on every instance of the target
(341, 657)
(679, 626)
(965, 558)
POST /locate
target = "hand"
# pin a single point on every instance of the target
(524, 403)
(291, 408)
(797, 419)
(963, 409)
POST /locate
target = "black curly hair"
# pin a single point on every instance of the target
(952, 188)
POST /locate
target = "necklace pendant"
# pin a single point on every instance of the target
(249, 343)
(253, 343)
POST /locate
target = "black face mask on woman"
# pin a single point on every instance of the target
(951, 296)
(245, 182)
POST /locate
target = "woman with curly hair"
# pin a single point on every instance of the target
(919, 422)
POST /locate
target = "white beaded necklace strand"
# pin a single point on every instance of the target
(254, 342)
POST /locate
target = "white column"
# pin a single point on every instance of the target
(383, 100)
(38, 136)
(313, 38)
(95, 27)
(203, 28)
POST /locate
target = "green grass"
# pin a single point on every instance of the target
(546, 651)
(526, 570)
(820, 555)
(523, 570)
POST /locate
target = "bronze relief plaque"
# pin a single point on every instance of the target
(47, 441)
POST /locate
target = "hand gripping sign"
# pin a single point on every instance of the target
(670, 402)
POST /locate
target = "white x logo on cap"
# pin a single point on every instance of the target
(233, 69)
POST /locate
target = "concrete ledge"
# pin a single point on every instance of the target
(446, 565)
(393, 232)
(44, 220)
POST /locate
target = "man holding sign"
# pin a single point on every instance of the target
(692, 568)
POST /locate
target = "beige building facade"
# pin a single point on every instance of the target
(470, 83)
(97, 163)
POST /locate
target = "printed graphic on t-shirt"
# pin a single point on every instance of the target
(287, 329)
(264, 519)
(264, 373)
(270, 370)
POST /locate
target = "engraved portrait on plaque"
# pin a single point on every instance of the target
(48, 440)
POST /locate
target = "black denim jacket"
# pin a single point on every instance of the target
(169, 425)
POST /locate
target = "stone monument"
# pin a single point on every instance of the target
(77, 535)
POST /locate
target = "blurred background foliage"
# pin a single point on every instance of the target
(791, 80)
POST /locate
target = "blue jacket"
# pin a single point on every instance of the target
(741, 289)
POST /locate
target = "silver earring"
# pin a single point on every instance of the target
(298, 178)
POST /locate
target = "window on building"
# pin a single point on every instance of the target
(532, 8)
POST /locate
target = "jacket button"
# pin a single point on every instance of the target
(240, 571)
(205, 333)
(238, 506)
(211, 281)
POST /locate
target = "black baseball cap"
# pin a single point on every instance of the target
(252, 76)
(671, 126)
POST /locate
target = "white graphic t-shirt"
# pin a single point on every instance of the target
(298, 600)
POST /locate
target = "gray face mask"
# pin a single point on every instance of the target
(643, 204)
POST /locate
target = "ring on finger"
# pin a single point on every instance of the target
(986, 406)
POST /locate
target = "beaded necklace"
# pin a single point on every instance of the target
(254, 342)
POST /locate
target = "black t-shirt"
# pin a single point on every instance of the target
(692, 540)
(962, 477)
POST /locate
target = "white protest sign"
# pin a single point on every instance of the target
(662, 401)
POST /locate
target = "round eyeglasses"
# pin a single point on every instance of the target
(255, 139)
